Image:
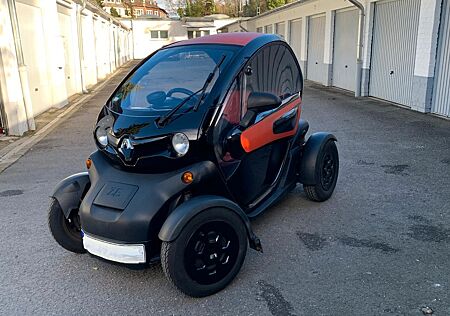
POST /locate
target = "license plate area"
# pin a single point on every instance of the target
(115, 195)
(123, 253)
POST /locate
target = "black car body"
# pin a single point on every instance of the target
(200, 127)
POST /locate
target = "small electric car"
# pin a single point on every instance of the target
(200, 137)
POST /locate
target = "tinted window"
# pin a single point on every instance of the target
(273, 70)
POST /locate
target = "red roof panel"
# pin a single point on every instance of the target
(236, 38)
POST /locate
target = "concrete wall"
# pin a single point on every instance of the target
(66, 49)
(426, 46)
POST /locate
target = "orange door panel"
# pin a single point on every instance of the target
(262, 133)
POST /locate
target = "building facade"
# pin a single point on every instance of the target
(50, 51)
(136, 7)
(151, 33)
(394, 50)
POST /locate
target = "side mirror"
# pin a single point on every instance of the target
(262, 101)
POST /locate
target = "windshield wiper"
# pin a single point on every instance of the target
(163, 119)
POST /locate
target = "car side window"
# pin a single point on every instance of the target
(229, 118)
(273, 70)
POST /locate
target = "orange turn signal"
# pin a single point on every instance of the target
(187, 177)
(88, 163)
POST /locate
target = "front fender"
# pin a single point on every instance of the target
(311, 152)
(69, 192)
(180, 216)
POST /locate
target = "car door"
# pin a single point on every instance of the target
(271, 73)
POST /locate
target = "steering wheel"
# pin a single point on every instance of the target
(179, 90)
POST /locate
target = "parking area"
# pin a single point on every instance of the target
(380, 245)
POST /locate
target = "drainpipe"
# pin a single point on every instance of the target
(23, 74)
(80, 42)
(359, 59)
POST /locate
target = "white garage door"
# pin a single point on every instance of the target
(345, 49)
(316, 69)
(280, 29)
(295, 37)
(395, 30)
(67, 38)
(32, 38)
(441, 96)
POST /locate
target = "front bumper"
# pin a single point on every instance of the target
(124, 208)
(123, 253)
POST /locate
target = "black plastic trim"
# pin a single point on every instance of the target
(311, 152)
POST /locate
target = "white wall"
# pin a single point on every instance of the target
(55, 65)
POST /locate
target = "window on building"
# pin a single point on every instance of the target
(198, 33)
(259, 29)
(268, 29)
(139, 11)
(118, 1)
(163, 34)
(159, 34)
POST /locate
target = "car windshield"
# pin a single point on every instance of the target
(168, 78)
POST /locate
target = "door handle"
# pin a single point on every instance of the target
(286, 122)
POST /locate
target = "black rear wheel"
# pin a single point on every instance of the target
(208, 254)
(326, 173)
(66, 231)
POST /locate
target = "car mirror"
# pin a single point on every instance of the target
(262, 101)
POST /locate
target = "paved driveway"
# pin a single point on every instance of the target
(381, 245)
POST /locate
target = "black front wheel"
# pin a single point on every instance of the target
(207, 254)
(326, 173)
(66, 231)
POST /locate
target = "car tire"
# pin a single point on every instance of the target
(326, 173)
(65, 231)
(208, 253)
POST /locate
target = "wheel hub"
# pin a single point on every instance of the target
(328, 172)
(211, 252)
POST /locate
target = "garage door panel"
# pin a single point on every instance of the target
(345, 53)
(441, 94)
(65, 28)
(395, 31)
(317, 70)
(32, 37)
(295, 36)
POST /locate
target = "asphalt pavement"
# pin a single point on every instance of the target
(379, 246)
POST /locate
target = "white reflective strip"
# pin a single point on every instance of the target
(115, 252)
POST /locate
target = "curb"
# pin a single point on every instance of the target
(13, 152)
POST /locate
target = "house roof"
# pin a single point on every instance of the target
(240, 39)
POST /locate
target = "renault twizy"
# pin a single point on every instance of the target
(200, 137)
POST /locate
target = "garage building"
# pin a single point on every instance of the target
(405, 54)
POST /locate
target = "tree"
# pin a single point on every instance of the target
(250, 8)
(114, 12)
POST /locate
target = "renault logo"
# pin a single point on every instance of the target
(126, 148)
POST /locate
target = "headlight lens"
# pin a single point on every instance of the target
(101, 135)
(180, 144)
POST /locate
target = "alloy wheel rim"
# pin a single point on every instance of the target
(328, 172)
(211, 252)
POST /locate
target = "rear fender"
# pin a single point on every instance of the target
(180, 216)
(69, 192)
(310, 156)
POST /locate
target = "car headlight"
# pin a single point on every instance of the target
(102, 136)
(180, 144)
